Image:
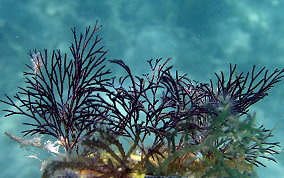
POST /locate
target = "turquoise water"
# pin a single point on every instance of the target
(202, 37)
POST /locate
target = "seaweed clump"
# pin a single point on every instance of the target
(161, 123)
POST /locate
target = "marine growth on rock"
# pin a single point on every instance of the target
(161, 123)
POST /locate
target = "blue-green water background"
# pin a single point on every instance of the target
(202, 37)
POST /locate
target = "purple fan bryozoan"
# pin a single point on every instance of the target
(173, 126)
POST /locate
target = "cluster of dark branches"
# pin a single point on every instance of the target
(242, 89)
(58, 89)
(70, 98)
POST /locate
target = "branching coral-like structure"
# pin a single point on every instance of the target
(56, 97)
(160, 123)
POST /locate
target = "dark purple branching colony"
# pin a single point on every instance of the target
(57, 93)
(74, 99)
